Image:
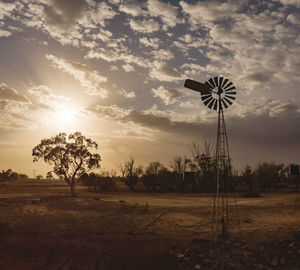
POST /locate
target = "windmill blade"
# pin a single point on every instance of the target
(231, 88)
(224, 104)
(233, 98)
(204, 97)
(225, 81)
(211, 103)
(207, 101)
(220, 105)
(216, 81)
(229, 101)
(231, 93)
(221, 81)
(211, 81)
(228, 85)
(203, 88)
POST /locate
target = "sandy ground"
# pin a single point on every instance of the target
(42, 227)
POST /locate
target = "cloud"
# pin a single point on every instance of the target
(166, 11)
(210, 11)
(4, 33)
(293, 18)
(295, 3)
(45, 98)
(144, 25)
(108, 55)
(167, 95)
(10, 94)
(127, 94)
(14, 109)
(133, 9)
(164, 72)
(64, 13)
(108, 112)
(150, 42)
(90, 79)
(6, 9)
(162, 54)
(128, 67)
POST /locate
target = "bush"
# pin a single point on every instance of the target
(97, 183)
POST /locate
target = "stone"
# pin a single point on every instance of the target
(180, 255)
(206, 260)
(197, 266)
(274, 261)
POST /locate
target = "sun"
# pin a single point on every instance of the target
(65, 115)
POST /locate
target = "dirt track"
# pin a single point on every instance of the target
(42, 227)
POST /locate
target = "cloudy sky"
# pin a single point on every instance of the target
(115, 71)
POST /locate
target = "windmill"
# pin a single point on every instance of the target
(218, 94)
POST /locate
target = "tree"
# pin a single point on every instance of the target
(179, 166)
(131, 173)
(204, 166)
(49, 175)
(39, 177)
(69, 155)
(268, 174)
(248, 177)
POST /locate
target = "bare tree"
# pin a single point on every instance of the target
(202, 152)
(130, 173)
(179, 166)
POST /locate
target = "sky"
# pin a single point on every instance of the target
(115, 71)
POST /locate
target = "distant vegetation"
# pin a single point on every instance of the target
(10, 175)
(71, 158)
(191, 175)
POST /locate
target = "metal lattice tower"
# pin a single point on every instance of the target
(218, 93)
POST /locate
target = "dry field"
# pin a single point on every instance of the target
(42, 227)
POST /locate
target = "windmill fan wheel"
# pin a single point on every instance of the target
(221, 94)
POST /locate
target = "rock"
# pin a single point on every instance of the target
(274, 261)
(122, 201)
(282, 261)
(180, 255)
(197, 266)
(206, 260)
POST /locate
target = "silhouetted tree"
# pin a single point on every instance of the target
(268, 174)
(204, 166)
(69, 156)
(49, 175)
(39, 177)
(179, 166)
(131, 173)
(248, 177)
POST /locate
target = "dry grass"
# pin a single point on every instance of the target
(42, 227)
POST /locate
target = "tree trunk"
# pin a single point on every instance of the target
(72, 187)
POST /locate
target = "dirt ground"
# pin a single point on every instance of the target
(42, 227)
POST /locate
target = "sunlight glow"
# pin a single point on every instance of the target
(65, 115)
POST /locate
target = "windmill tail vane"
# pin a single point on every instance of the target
(218, 94)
